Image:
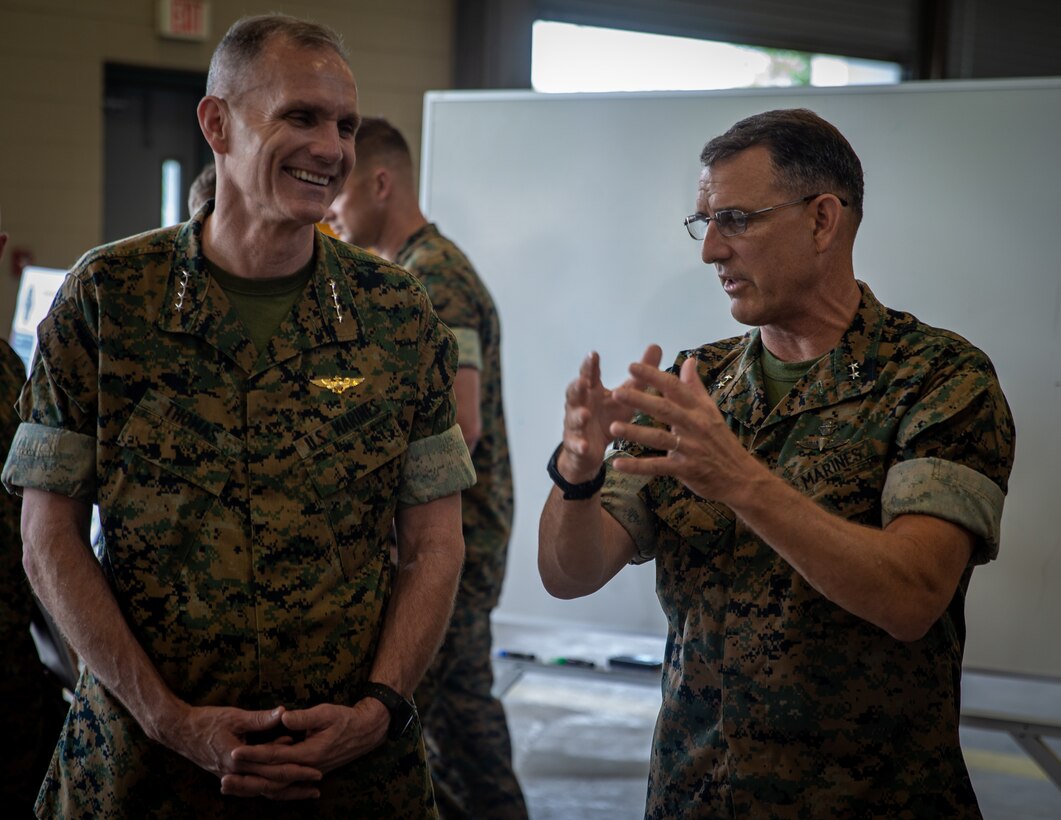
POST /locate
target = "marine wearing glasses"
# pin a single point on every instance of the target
(733, 221)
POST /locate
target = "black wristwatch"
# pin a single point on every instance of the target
(403, 712)
(573, 492)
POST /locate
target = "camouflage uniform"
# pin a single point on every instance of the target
(467, 735)
(246, 502)
(33, 705)
(777, 702)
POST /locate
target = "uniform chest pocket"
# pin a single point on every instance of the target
(351, 446)
(846, 479)
(354, 464)
(173, 470)
(180, 443)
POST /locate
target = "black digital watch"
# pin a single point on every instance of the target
(573, 492)
(402, 710)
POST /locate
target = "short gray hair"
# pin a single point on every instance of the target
(244, 42)
(809, 154)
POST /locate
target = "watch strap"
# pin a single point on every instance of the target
(402, 710)
(573, 492)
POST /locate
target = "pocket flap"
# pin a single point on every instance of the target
(177, 440)
(351, 446)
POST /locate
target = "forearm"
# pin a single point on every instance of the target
(429, 564)
(580, 546)
(899, 579)
(571, 558)
(69, 582)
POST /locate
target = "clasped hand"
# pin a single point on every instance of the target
(283, 768)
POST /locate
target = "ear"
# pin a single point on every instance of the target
(214, 121)
(382, 183)
(828, 222)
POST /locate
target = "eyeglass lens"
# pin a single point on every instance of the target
(729, 223)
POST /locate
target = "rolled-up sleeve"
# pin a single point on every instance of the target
(621, 499)
(436, 466)
(953, 492)
(438, 462)
(955, 449)
(54, 447)
(52, 459)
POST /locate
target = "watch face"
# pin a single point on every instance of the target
(402, 711)
(402, 717)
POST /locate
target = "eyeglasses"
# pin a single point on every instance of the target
(733, 222)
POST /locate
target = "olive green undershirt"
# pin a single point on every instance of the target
(779, 376)
(262, 304)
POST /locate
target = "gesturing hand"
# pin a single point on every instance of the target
(590, 410)
(701, 451)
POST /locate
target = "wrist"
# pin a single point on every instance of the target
(567, 464)
(398, 712)
(160, 722)
(758, 488)
(583, 486)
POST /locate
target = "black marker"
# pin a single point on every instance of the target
(516, 656)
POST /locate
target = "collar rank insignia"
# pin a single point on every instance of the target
(337, 384)
(722, 382)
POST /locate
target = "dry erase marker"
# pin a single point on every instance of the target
(579, 662)
(516, 656)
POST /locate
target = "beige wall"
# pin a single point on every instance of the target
(51, 96)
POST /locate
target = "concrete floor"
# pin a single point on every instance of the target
(581, 737)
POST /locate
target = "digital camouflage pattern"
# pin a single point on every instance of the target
(246, 502)
(463, 303)
(33, 705)
(776, 702)
(468, 739)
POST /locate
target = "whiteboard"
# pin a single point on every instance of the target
(571, 208)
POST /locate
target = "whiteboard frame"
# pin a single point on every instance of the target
(958, 161)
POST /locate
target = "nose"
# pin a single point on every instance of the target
(328, 144)
(714, 247)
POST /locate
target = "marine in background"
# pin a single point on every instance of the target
(467, 733)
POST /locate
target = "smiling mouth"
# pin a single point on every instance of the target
(306, 176)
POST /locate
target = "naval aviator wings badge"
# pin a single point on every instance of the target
(337, 384)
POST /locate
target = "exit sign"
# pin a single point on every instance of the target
(184, 19)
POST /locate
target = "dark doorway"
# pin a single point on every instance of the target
(150, 131)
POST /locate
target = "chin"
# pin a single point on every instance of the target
(742, 313)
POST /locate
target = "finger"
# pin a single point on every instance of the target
(257, 721)
(661, 408)
(590, 368)
(275, 761)
(666, 383)
(308, 720)
(576, 410)
(660, 465)
(650, 358)
(690, 375)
